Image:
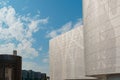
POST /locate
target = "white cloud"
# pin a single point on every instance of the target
(35, 67)
(19, 29)
(52, 34)
(25, 49)
(78, 23)
(40, 49)
(31, 66)
(63, 29)
(68, 26)
(4, 2)
(45, 60)
(6, 48)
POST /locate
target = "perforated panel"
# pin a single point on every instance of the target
(102, 36)
(67, 55)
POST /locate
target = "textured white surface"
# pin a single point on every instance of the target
(102, 36)
(67, 56)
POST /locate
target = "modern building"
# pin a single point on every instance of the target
(24, 75)
(32, 75)
(102, 38)
(37, 75)
(10, 67)
(95, 52)
(67, 56)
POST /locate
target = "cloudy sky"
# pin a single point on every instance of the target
(28, 25)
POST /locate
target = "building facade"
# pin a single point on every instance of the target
(67, 56)
(102, 38)
(32, 75)
(10, 67)
(93, 51)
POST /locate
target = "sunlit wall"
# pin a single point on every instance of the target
(67, 56)
(102, 36)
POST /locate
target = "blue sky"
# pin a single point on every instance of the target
(28, 25)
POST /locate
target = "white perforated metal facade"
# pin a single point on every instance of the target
(102, 36)
(67, 56)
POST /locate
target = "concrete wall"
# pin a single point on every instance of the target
(67, 55)
(102, 36)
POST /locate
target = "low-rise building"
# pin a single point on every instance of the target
(32, 75)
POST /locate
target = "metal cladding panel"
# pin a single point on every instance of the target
(67, 56)
(102, 36)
